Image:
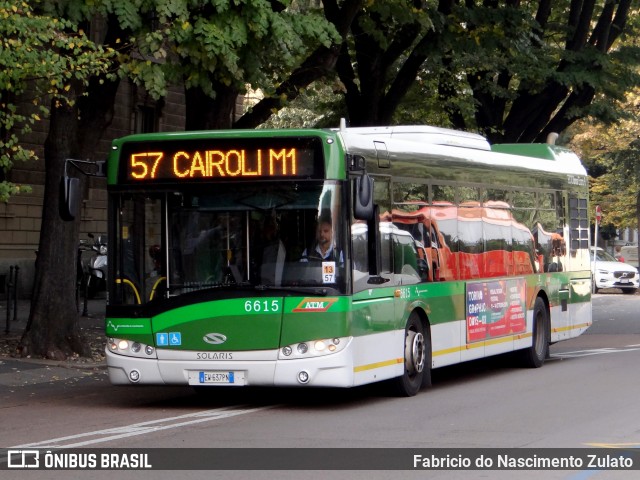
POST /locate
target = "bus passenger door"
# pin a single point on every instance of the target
(378, 340)
(378, 343)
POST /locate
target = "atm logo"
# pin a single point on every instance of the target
(315, 304)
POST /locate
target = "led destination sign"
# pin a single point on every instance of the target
(222, 159)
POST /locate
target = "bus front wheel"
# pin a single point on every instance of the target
(417, 358)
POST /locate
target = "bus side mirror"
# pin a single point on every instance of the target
(363, 198)
(69, 198)
(69, 201)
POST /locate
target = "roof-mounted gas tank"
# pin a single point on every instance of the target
(424, 134)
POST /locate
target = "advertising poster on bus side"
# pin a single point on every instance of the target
(496, 309)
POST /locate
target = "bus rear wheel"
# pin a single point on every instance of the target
(535, 355)
(417, 359)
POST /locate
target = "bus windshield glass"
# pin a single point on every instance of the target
(223, 237)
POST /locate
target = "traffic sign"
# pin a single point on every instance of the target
(598, 213)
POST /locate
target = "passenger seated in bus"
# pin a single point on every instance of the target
(273, 254)
(324, 248)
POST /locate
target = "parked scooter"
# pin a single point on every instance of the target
(97, 267)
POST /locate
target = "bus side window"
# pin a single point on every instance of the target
(382, 199)
(406, 261)
(359, 247)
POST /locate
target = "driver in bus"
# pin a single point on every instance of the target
(324, 249)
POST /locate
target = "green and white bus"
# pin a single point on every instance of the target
(445, 249)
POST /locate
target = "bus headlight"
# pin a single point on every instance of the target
(314, 348)
(130, 348)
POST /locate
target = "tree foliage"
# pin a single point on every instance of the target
(41, 58)
(612, 155)
(217, 48)
(514, 71)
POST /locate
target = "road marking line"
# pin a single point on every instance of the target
(614, 445)
(594, 351)
(109, 434)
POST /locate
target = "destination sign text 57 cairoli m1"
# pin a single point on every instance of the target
(242, 159)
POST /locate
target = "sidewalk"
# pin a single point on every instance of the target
(18, 371)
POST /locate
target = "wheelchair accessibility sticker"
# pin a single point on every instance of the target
(172, 339)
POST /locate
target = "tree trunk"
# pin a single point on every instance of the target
(318, 65)
(206, 113)
(53, 327)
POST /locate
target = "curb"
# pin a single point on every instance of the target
(56, 363)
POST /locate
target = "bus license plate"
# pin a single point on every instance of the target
(217, 377)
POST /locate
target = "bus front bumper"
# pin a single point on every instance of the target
(334, 370)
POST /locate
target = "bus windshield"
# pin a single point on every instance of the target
(221, 237)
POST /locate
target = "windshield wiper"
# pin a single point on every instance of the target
(297, 289)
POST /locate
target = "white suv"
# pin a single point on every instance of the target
(610, 273)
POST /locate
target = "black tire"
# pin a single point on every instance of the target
(629, 291)
(417, 359)
(594, 289)
(535, 355)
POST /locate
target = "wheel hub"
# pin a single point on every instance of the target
(414, 352)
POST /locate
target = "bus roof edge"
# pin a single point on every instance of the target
(425, 134)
